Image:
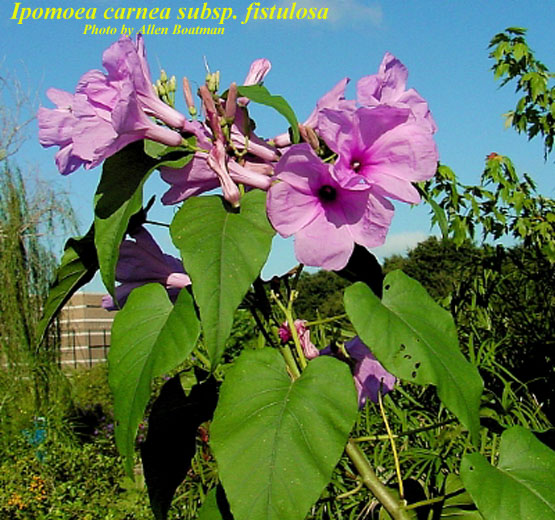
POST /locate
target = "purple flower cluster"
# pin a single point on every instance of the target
(107, 111)
(381, 144)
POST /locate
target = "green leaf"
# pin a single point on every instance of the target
(223, 251)
(260, 94)
(77, 268)
(416, 340)
(522, 485)
(458, 504)
(215, 506)
(118, 197)
(276, 441)
(150, 337)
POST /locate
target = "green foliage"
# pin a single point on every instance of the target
(416, 340)
(77, 267)
(150, 337)
(521, 485)
(118, 197)
(260, 94)
(223, 256)
(514, 60)
(320, 295)
(268, 433)
(501, 206)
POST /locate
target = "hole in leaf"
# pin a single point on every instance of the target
(413, 374)
(407, 356)
(471, 468)
(403, 347)
(417, 364)
(387, 287)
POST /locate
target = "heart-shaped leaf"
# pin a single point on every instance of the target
(522, 485)
(150, 337)
(223, 251)
(277, 441)
(416, 340)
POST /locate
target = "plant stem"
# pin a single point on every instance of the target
(393, 447)
(394, 506)
(290, 360)
(326, 320)
(423, 503)
(403, 434)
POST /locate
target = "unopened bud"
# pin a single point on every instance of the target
(172, 83)
(213, 81)
(309, 136)
(231, 103)
(160, 89)
(188, 95)
(163, 76)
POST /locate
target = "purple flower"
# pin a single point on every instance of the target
(107, 112)
(326, 217)
(309, 349)
(387, 87)
(334, 99)
(141, 262)
(382, 145)
(369, 375)
(257, 72)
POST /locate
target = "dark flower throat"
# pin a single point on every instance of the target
(327, 193)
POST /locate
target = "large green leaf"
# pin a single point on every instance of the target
(416, 340)
(150, 337)
(118, 197)
(215, 506)
(276, 441)
(260, 94)
(522, 485)
(223, 251)
(78, 266)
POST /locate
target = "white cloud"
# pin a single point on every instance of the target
(344, 11)
(399, 243)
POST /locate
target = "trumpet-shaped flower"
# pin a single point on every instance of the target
(142, 261)
(388, 87)
(107, 112)
(369, 375)
(384, 146)
(326, 217)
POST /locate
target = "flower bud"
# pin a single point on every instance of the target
(163, 76)
(188, 95)
(231, 103)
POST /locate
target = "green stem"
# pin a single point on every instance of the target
(394, 506)
(393, 446)
(326, 320)
(290, 360)
(403, 434)
(423, 503)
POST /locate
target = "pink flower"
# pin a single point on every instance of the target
(384, 146)
(107, 112)
(369, 375)
(387, 87)
(257, 72)
(334, 99)
(142, 261)
(326, 217)
(309, 349)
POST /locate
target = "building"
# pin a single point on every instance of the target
(85, 330)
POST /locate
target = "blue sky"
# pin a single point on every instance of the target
(443, 44)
